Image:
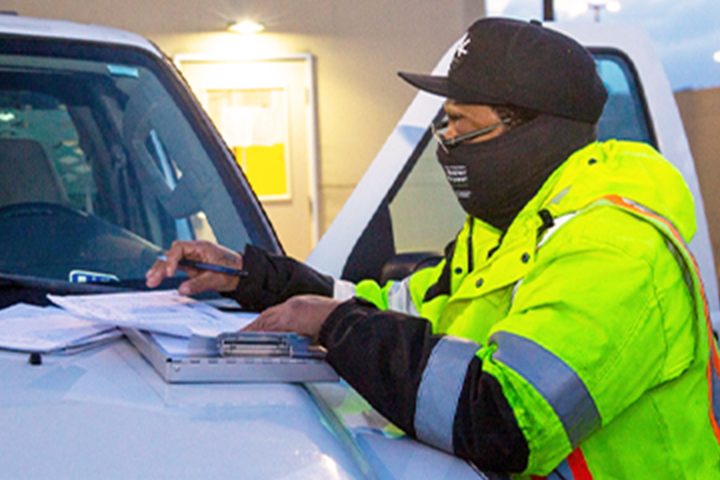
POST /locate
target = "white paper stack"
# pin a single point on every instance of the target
(162, 311)
(29, 328)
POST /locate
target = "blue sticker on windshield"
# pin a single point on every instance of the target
(123, 71)
(84, 276)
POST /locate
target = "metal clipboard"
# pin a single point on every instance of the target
(238, 357)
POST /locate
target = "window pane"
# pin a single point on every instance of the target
(425, 212)
(624, 116)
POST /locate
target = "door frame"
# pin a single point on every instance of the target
(311, 112)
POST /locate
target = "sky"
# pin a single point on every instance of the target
(686, 33)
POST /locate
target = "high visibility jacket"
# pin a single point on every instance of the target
(594, 327)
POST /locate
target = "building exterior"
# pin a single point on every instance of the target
(699, 111)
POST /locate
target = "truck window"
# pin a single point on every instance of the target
(625, 116)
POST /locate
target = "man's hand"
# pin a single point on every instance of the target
(200, 280)
(303, 314)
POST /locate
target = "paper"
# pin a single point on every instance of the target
(163, 311)
(173, 346)
(29, 328)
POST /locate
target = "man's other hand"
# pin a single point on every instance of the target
(303, 314)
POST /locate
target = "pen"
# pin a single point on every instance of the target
(185, 262)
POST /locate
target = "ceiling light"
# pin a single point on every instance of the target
(613, 7)
(247, 27)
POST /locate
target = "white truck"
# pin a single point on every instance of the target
(106, 158)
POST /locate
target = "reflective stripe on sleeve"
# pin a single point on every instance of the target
(343, 290)
(440, 390)
(558, 384)
(561, 472)
(399, 298)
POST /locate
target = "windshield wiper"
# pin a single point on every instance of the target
(24, 288)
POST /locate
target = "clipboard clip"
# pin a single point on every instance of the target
(263, 344)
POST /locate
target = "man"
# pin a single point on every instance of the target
(564, 334)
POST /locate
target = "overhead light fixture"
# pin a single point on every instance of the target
(246, 27)
(716, 57)
(613, 7)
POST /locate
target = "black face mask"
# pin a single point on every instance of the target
(495, 179)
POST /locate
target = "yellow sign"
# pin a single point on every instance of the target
(265, 168)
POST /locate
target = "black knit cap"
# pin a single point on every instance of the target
(501, 61)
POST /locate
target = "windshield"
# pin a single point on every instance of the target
(105, 160)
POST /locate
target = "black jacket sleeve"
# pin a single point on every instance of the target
(273, 279)
(383, 355)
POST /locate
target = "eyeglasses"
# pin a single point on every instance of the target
(438, 130)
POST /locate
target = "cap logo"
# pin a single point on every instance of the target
(462, 47)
